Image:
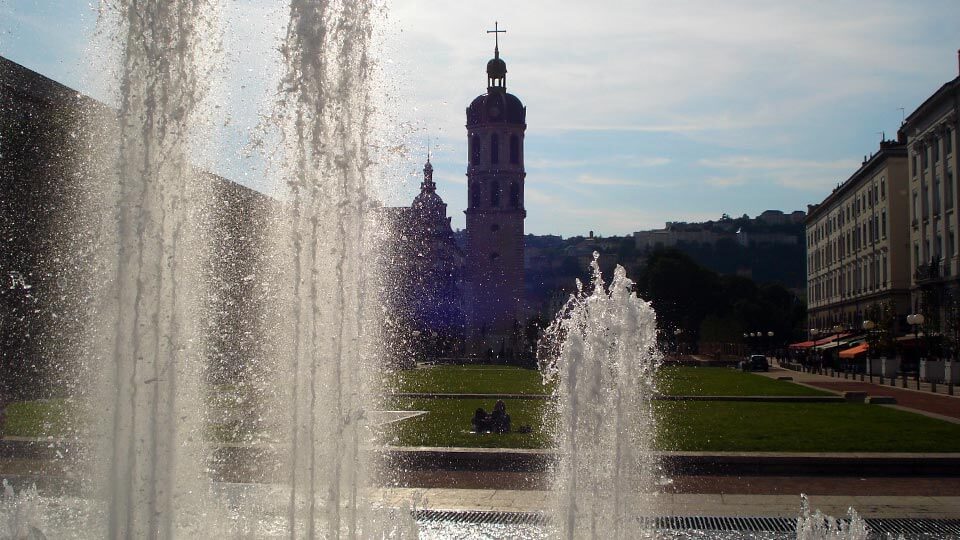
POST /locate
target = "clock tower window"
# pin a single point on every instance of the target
(495, 194)
(494, 148)
(514, 195)
(514, 149)
(474, 150)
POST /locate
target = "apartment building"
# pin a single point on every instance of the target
(857, 243)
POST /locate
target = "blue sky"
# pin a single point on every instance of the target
(638, 112)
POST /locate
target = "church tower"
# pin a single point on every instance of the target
(496, 122)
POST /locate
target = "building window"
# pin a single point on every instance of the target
(948, 142)
(950, 245)
(515, 149)
(913, 164)
(935, 149)
(883, 187)
(514, 195)
(948, 191)
(936, 195)
(475, 150)
(494, 148)
(495, 194)
(883, 224)
(474, 196)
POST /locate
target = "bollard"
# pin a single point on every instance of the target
(881, 379)
(950, 388)
(918, 382)
(933, 386)
(904, 385)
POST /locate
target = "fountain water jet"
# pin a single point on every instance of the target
(601, 349)
(153, 460)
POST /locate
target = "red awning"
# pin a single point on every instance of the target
(808, 344)
(853, 352)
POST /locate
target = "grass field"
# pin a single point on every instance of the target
(41, 418)
(800, 427)
(448, 424)
(483, 379)
(715, 381)
(704, 426)
(690, 426)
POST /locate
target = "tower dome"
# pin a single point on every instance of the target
(496, 67)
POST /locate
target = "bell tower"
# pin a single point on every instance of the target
(496, 123)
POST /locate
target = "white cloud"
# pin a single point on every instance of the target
(591, 180)
(775, 163)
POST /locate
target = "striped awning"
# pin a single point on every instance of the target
(855, 351)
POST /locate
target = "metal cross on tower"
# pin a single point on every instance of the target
(496, 38)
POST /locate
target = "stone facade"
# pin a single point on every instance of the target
(856, 244)
(932, 139)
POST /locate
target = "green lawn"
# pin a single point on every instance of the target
(672, 380)
(800, 427)
(703, 426)
(481, 379)
(714, 381)
(692, 426)
(448, 424)
(41, 418)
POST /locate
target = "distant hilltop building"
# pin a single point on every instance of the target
(743, 231)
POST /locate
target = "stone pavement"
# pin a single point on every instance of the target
(938, 406)
(686, 504)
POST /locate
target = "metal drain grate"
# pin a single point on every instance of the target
(879, 527)
(911, 527)
(480, 516)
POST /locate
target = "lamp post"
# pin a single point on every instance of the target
(868, 327)
(916, 320)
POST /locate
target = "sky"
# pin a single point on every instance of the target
(638, 112)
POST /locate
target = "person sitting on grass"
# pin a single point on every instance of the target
(499, 419)
(480, 421)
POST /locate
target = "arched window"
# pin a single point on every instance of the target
(495, 194)
(474, 150)
(514, 194)
(474, 196)
(494, 148)
(514, 149)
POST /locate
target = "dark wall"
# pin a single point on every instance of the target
(57, 188)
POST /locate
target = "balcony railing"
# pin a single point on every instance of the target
(934, 271)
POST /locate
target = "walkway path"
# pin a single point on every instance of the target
(935, 405)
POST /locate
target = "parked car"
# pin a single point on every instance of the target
(756, 362)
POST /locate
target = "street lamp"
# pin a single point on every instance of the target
(916, 320)
(868, 327)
